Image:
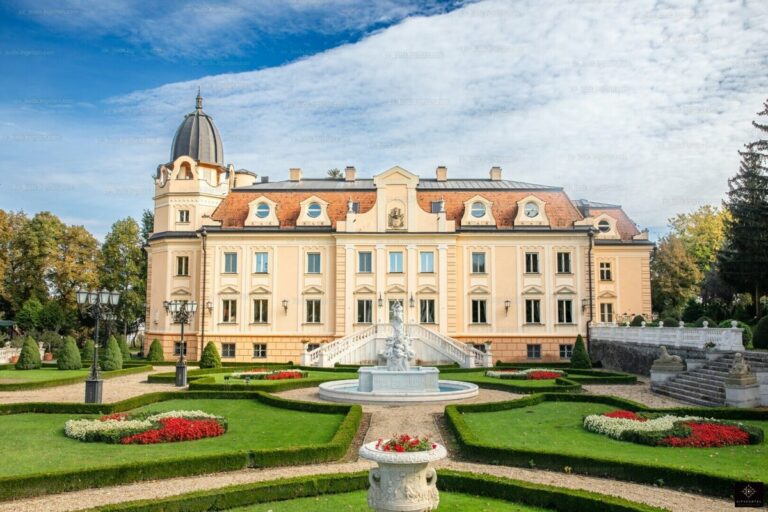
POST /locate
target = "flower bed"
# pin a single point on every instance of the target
(405, 443)
(147, 428)
(527, 374)
(667, 430)
(263, 374)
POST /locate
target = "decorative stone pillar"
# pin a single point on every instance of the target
(665, 367)
(741, 387)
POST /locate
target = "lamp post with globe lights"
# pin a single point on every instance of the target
(96, 304)
(181, 312)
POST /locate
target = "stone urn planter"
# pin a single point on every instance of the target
(48, 356)
(403, 481)
(13, 360)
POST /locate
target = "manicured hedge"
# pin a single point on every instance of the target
(272, 386)
(533, 364)
(554, 498)
(50, 483)
(694, 481)
(22, 386)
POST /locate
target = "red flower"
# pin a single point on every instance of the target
(543, 375)
(708, 435)
(626, 415)
(284, 375)
(119, 416)
(177, 429)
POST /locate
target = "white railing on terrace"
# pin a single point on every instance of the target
(6, 353)
(683, 337)
(466, 355)
(329, 354)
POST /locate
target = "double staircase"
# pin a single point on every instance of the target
(705, 385)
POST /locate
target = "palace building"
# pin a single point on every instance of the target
(307, 269)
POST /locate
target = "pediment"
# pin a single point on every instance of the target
(533, 290)
(565, 290)
(260, 290)
(313, 290)
(607, 295)
(479, 290)
(364, 289)
(229, 290)
(395, 288)
(427, 289)
(181, 292)
(395, 175)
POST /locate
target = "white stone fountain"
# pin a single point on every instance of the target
(398, 381)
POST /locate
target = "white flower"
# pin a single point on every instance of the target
(615, 427)
(181, 414)
(499, 373)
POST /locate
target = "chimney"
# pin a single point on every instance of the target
(495, 173)
(295, 174)
(265, 179)
(441, 173)
(350, 173)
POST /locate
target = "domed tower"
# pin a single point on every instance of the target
(197, 137)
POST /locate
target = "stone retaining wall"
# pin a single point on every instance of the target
(634, 357)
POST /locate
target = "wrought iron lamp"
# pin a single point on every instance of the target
(181, 312)
(95, 304)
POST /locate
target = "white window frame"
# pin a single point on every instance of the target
(225, 350)
(313, 311)
(563, 262)
(182, 266)
(261, 262)
(564, 311)
(314, 256)
(230, 260)
(361, 257)
(427, 311)
(183, 217)
(260, 311)
(260, 351)
(606, 271)
(479, 266)
(229, 311)
(396, 262)
(364, 311)
(531, 262)
(479, 311)
(427, 266)
(532, 311)
(606, 312)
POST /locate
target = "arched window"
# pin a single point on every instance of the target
(262, 210)
(604, 226)
(185, 173)
(478, 209)
(314, 210)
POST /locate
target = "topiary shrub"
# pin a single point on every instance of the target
(211, 358)
(155, 353)
(580, 358)
(86, 353)
(29, 359)
(746, 331)
(671, 321)
(69, 357)
(113, 357)
(637, 321)
(700, 322)
(123, 344)
(760, 334)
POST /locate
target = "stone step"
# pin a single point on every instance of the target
(694, 390)
(705, 377)
(685, 397)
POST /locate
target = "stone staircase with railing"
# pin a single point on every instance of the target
(705, 385)
(364, 347)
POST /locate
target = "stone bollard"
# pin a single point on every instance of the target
(741, 387)
(665, 367)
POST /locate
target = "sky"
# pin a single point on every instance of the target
(642, 103)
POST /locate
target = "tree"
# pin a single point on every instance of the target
(675, 275)
(124, 350)
(29, 359)
(147, 227)
(335, 174)
(702, 233)
(155, 353)
(760, 334)
(74, 263)
(113, 358)
(86, 353)
(743, 260)
(122, 268)
(51, 317)
(580, 358)
(68, 357)
(210, 358)
(29, 317)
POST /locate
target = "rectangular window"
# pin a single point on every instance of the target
(364, 262)
(534, 351)
(229, 311)
(478, 263)
(182, 265)
(313, 311)
(392, 303)
(563, 263)
(230, 262)
(427, 262)
(565, 311)
(531, 263)
(479, 311)
(396, 262)
(259, 350)
(533, 311)
(437, 206)
(605, 271)
(355, 207)
(566, 351)
(606, 312)
(364, 311)
(427, 311)
(184, 216)
(313, 262)
(312, 346)
(261, 263)
(260, 311)
(177, 348)
(227, 350)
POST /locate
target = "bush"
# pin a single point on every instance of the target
(52, 341)
(637, 321)
(68, 357)
(29, 359)
(700, 322)
(113, 358)
(760, 334)
(155, 353)
(746, 334)
(86, 353)
(123, 344)
(580, 358)
(210, 357)
(671, 321)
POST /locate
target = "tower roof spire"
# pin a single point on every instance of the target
(199, 100)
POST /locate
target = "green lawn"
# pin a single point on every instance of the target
(12, 376)
(555, 427)
(480, 378)
(219, 378)
(356, 501)
(33, 443)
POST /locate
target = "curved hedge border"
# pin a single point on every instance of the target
(553, 498)
(22, 386)
(688, 479)
(57, 482)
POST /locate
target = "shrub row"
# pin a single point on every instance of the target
(272, 386)
(553, 498)
(22, 386)
(690, 480)
(48, 483)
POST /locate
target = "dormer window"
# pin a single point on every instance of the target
(531, 210)
(437, 206)
(478, 210)
(604, 226)
(314, 210)
(262, 210)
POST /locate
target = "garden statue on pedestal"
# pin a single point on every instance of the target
(398, 351)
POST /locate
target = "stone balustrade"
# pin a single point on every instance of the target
(717, 339)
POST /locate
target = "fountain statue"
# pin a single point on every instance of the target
(398, 352)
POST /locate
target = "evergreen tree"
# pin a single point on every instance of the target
(113, 358)
(743, 261)
(210, 357)
(123, 344)
(155, 353)
(86, 353)
(29, 359)
(28, 317)
(760, 334)
(580, 358)
(69, 357)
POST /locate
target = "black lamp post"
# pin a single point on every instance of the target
(181, 312)
(96, 303)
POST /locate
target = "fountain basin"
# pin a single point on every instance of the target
(380, 379)
(349, 391)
